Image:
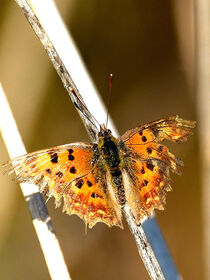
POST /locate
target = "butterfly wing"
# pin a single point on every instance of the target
(66, 172)
(151, 161)
(89, 199)
(143, 140)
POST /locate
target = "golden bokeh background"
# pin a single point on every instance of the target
(148, 46)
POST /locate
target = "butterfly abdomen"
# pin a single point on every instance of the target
(116, 175)
(113, 164)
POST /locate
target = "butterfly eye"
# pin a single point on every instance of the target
(102, 133)
(105, 133)
(109, 131)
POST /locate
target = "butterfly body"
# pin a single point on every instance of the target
(95, 181)
(111, 160)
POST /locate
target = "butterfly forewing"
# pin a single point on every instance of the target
(171, 128)
(53, 169)
(143, 140)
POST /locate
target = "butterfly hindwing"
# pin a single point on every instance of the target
(150, 184)
(89, 199)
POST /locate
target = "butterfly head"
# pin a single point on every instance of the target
(104, 132)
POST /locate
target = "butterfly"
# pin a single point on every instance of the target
(95, 181)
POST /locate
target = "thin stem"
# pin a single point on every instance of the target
(63, 68)
(202, 79)
(145, 250)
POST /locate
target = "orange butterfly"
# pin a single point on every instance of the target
(96, 180)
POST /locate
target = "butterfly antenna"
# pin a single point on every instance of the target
(109, 99)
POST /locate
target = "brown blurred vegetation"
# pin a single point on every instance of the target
(148, 46)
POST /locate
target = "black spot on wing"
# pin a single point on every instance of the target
(70, 151)
(150, 166)
(89, 183)
(142, 170)
(160, 148)
(79, 184)
(149, 150)
(70, 157)
(145, 183)
(144, 138)
(72, 170)
(59, 174)
(96, 195)
(54, 157)
(93, 195)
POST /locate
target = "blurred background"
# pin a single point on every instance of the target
(148, 46)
